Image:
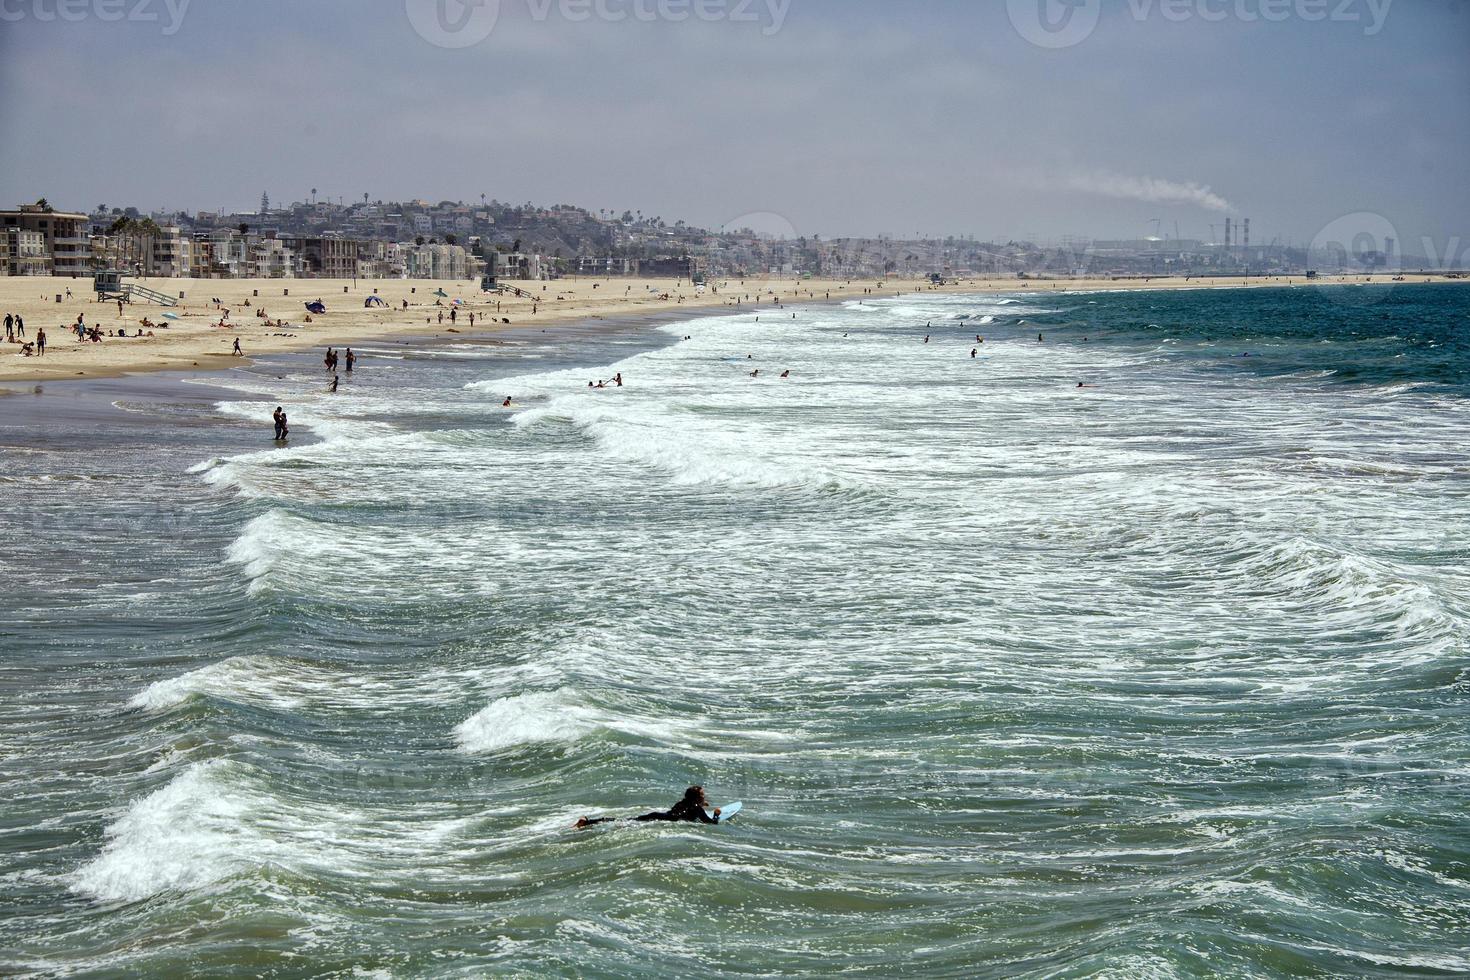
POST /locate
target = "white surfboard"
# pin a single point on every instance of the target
(729, 811)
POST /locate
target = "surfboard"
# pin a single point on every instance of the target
(728, 812)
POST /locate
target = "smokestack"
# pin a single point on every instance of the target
(1247, 233)
(1227, 232)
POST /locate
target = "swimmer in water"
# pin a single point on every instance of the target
(506, 403)
(688, 810)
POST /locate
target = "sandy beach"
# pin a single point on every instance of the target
(275, 319)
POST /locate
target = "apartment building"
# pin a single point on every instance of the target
(67, 242)
(23, 253)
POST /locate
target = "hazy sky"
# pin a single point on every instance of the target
(839, 116)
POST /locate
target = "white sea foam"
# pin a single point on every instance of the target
(183, 837)
(228, 678)
(542, 716)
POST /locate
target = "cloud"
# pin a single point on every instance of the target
(1151, 189)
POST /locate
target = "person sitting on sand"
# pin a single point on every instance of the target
(691, 809)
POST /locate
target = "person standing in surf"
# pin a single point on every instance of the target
(691, 809)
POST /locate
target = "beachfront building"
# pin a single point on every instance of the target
(681, 266)
(67, 242)
(270, 258)
(604, 265)
(513, 265)
(228, 255)
(327, 257)
(23, 253)
(433, 261)
(170, 254)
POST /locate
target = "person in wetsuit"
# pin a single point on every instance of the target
(688, 810)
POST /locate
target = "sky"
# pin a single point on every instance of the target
(1001, 119)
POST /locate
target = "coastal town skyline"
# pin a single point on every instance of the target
(965, 121)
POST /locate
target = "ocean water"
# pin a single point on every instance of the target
(1166, 676)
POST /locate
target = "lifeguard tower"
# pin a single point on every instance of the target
(109, 285)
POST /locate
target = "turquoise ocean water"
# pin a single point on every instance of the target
(1166, 676)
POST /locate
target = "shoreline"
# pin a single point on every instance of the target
(195, 343)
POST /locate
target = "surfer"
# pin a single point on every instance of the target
(688, 810)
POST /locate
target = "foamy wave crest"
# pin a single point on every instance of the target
(691, 450)
(268, 539)
(543, 716)
(229, 679)
(184, 837)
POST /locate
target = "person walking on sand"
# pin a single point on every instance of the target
(237, 352)
(41, 341)
(9, 328)
(20, 327)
